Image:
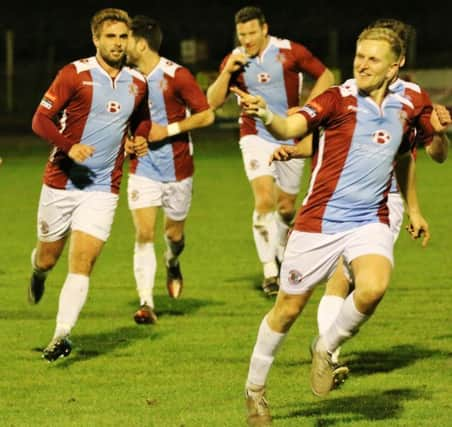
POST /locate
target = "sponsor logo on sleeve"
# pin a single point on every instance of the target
(311, 112)
(133, 89)
(46, 103)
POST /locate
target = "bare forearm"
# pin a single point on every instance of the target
(406, 178)
(218, 90)
(197, 120)
(284, 128)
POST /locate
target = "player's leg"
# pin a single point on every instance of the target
(336, 290)
(43, 258)
(144, 197)
(255, 154)
(265, 230)
(284, 215)
(175, 244)
(308, 259)
(372, 274)
(288, 181)
(91, 224)
(370, 249)
(145, 262)
(52, 228)
(176, 205)
(396, 210)
(272, 331)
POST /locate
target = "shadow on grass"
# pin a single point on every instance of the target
(374, 405)
(166, 306)
(381, 361)
(254, 282)
(88, 346)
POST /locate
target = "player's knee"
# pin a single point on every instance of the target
(370, 295)
(174, 235)
(145, 235)
(286, 314)
(264, 203)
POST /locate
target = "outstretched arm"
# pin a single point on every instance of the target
(294, 126)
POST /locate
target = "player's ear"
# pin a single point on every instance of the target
(393, 70)
(95, 41)
(265, 28)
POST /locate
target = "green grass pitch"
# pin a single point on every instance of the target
(189, 369)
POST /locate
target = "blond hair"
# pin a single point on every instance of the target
(385, 34)
(109, 14)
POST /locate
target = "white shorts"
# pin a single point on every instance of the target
(61, 211)
(173, 197)
(396, 210)
(256, 153)
(310, 258)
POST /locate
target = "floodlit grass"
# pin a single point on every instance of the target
(189, 369)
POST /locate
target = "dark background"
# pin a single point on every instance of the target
(49, 34)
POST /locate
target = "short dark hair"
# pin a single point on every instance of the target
(405, 31)
(148, 29)
(249, 13)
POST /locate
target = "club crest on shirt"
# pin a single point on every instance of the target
(254, 164)
(133, 89)
(113, 106)
(381, 136)
(263, 77)
(281, 58)
(295, 277)
(163, 84)
(403, 117)
(43, 227)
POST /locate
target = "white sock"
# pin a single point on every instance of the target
(267, 344)
(327, 311)
(270, 269)
(144, 269)
(72, 299)
(265, 237)
(282, 229)
(345, 325)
